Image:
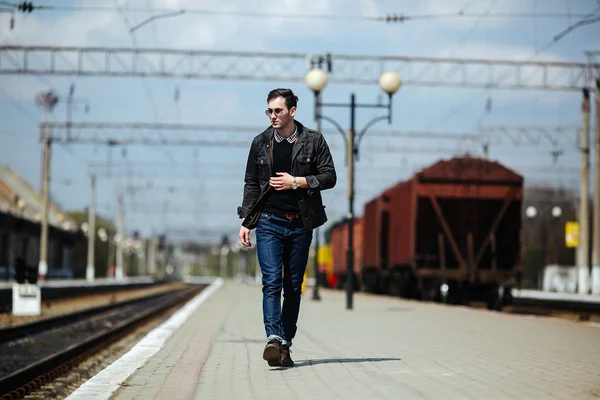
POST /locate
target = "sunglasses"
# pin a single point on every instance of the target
(277, 111)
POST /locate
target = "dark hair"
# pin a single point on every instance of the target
(291, 100)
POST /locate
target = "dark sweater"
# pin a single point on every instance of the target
(282, 201)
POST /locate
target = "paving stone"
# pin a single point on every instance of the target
(384, 348)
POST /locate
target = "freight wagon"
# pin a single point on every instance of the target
(375, 264)
(339, 246)
(450, 233)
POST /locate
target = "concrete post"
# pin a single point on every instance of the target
(90, 270)
(43, 264)
(596, 234)
(121, 237)
(583, 260)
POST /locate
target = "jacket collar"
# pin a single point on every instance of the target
(268, 133)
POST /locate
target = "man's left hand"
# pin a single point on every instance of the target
(282, 182)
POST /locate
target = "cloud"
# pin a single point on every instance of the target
(531, 74)
(500, 51)
(110, 28)
(370, 8)
(73, 29)
(24, 89)
(221, 104)
(191, 30)
(491, 21)
(292, 7)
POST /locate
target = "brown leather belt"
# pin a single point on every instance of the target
(288, 216)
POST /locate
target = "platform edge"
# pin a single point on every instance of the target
(105, 383)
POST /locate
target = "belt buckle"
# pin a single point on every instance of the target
(291, 216)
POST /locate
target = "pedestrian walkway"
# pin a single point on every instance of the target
(383, 348)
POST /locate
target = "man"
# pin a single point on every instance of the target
(288, 166)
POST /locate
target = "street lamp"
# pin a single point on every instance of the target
(556, 211)
(531, 212)
(102, 234)
(316, 80)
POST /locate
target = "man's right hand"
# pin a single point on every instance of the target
(245, 236)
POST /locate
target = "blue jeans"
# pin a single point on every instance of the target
(282, 246)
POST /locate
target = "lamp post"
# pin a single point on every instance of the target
(316, 80)
(316, 296)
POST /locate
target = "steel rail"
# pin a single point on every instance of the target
(28, 379)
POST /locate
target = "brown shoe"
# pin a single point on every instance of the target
(272, 353)
(286, 358)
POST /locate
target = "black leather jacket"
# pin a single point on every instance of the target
(311, 159)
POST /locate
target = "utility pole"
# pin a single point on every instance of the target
(583, 260)
(111, 252)
(596, 234)
(223, 261)
(48, 100)
(121, 238)
(90, 270)
(350, 248)
(69, 109)
(152, 256)
(43, 264)
(43, 138)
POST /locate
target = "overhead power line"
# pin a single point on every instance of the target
(586, 19)
(28, 6)
(525, 15)
(575, 26)
(593, 71)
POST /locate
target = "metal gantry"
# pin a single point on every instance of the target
(292, 67)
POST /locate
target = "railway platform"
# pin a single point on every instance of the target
(384, 348)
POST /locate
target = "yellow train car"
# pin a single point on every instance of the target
(325, 265)
(325, 260)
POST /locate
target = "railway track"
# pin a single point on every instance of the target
(34, 354)
(568, 309)
(53, 292)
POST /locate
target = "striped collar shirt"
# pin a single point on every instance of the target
(291, 139)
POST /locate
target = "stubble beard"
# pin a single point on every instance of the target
(285, 125)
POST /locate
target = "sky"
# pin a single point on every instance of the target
(193, 192)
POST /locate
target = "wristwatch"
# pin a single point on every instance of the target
(294, 184)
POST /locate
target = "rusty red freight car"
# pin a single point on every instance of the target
(375, 244)
(454, 232)
(339, 246)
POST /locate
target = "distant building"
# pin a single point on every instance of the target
(21, 209)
